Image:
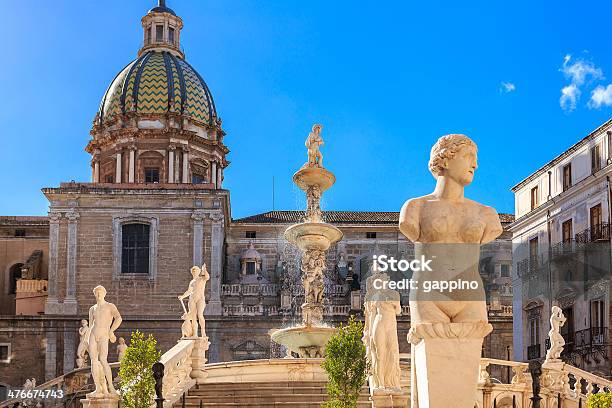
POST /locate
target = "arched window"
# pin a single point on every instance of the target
(14, 275)
(135, 248)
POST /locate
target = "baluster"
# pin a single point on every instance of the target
(589, 387)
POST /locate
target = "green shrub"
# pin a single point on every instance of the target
(137, 382)
(346, 365)
(600, 400)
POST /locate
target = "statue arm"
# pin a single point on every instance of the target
(90, 325)
(493, 227)
(409, 220)
(188, 292)
(117, 319)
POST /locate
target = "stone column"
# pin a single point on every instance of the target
(70, 304)
(131, 170)
(171, 150)
(52, 305)
(96, 166)
(185, 165)
(214, 305)
(219, 176)
(51, 354)
(213, 174)
(198, 237)
(69, 348)
(118, 168)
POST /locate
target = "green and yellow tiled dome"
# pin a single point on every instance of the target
(158, 82)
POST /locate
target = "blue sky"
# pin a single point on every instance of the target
(385, 79)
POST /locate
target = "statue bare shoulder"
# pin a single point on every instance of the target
(409, 224)
(493, 228)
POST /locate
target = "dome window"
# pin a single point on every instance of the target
(159, 33)
(151, 175)
(171, 35)
(198, 179)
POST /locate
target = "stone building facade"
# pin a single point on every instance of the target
(562, 254)
(154, 207)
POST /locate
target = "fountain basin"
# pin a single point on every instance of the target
(306, 341)
(314, 176)
(313, 235)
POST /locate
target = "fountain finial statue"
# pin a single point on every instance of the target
(313, 143)
(447, 330)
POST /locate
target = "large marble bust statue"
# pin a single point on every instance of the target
(447, 226)
(448, 328)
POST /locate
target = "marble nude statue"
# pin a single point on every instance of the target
(381, 306)
(194, 313)
(557, 320)
(385, 347)
(104, 319)
(313, 143)
(121, 348)
(447, 329)
(82, 348)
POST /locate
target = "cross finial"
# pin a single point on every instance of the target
(161, 3)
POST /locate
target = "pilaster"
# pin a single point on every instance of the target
(214, 305)
(52, 305)
(70, 303)
(198, 236)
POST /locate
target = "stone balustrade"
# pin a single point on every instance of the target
(239, 289)
(177, 371)
(250, 310)
(337, 310)
(560, 383)
(31, 286)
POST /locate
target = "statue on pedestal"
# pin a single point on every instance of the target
(313, 142)
(447, 329)
(82, 348)
(194, 313)
(557, 319)
(104, 319)
(121, 349)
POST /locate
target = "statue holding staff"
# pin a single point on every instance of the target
(194, 313)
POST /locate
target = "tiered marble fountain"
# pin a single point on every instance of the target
(313, 237)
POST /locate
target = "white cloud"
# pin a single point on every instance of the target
(569, 97)
(578, 72)
(507, 87)
(601, 96)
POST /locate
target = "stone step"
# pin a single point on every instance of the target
(261, 398)
(360, 404)
(262, 390)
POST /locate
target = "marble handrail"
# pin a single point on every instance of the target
(177, 371)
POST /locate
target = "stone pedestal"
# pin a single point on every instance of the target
(446, 359)
(198, 360)
(389, 399)
(106, 401)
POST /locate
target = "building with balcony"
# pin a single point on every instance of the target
(562, 254)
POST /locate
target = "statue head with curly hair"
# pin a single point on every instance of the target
(454, 156)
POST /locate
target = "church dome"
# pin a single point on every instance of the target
(159, 82)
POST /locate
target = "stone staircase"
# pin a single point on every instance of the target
(302, 394)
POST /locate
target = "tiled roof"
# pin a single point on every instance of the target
(158, 82)
(336, 217)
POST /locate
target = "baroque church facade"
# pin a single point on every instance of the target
(154, 207)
